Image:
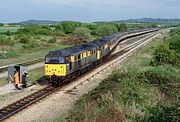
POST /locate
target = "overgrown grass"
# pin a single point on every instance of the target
(4, 29)
(19, 56)
(142, 93)
(36, 74)
(131, 95)
(3, 81)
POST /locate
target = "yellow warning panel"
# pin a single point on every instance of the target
(98, 54)
(55, 69)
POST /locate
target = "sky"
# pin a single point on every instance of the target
(86, 10)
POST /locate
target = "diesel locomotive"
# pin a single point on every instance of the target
(62, 65)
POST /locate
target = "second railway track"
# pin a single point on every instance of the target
(33, 98)
(5, 68)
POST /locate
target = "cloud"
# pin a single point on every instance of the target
(87, 10)
(87, 3)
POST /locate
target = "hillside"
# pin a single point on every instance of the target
(38, 22)
(150, 20)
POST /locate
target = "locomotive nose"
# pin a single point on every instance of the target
(55, 69)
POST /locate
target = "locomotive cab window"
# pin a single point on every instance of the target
(67, 59)
(54, 60)
(61, 60)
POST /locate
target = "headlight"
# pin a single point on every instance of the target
(47, 59)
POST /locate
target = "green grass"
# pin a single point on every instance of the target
(35, 74)
(26, 55)
(11, 29)
(3, 81)
(132, 93)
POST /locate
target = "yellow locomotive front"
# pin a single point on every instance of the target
(55, 68)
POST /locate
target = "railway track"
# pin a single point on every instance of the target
(5, 68)
(25, 102)
(39, 95)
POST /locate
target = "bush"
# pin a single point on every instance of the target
(35, 30)
(175, 31)
(174, 43)
(8, 33)
(84, 34)
(67, 26)
(105, 30)
(91, 27)
(59, 27)
(31, 45)
(166, 78)
(9, 54)
(164, 113)
(52, 40)
(122, 27)
(6, 40)
(163, 54)
(162, 75)
(59, 33)
(24, 40)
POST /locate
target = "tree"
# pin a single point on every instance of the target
(1, 24)
(8, 33)
(59, 27)
(163, 54)
(68, 26)
(122, 27)
(35, 30)
(174, 42)
(24, 40)
(105, 30)
(83, 33)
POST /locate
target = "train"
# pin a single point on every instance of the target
(65, 64)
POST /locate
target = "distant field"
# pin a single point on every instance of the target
(11, 29)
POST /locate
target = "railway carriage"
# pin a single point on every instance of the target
(64, 64)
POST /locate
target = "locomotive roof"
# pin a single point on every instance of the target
(84, 47)
(73, 50)
(106, 39)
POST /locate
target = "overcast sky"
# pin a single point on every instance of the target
(87, 10)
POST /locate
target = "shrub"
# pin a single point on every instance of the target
(163, 54)
(121, 27)
(59, 27)
(164, 113)
(84, 34)
(174, 43)
(24, 40)
(162, 75)
(91, 26)
(8, 33)
(6, 40)
(166, 78)
(52, 40)
(104, 30)
(35, 30)
(9, 54)
(175, 31)
(67, 26)
(59, 33)
(30, 45)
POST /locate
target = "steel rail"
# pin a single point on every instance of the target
(21, 104)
